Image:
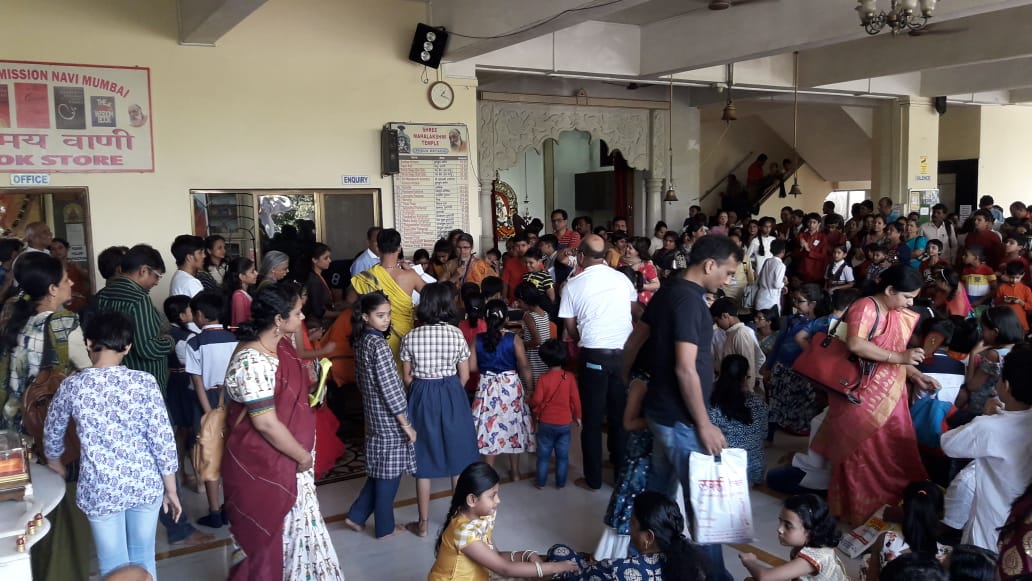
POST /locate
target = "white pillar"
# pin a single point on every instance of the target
(654, 210)
(486, 215)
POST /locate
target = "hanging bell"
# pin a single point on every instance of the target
(796, 190)
(729, 113)
(670, 196)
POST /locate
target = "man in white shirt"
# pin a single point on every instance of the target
(188, 251)
(596, 312)
(939, 229)
(998, 445)
(371, 256)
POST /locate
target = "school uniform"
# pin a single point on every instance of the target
(208, 355)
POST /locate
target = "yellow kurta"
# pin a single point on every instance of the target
(402, 310)
(451, 563)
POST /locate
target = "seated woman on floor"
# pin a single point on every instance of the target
(657, 534)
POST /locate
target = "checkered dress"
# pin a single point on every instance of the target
(389, 454)
(434, 350)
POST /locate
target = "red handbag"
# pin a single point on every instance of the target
(830, 365)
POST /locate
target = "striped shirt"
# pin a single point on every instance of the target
(151, 346)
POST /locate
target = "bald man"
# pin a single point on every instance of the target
(596, 312)
(37, 239)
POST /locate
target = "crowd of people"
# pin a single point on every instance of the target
(656, 348)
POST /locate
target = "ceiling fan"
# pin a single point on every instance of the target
(725, 4)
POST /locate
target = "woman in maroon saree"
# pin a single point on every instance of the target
(267, 468)
(872, 447)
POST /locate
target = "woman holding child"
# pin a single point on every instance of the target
(872, 447)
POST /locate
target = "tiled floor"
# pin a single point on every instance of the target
(527, 518)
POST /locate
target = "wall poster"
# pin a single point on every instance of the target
(431, 189)
(74, 118)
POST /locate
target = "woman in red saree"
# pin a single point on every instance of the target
(872, 447)
(267, 468)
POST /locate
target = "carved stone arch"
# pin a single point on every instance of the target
(506, 130)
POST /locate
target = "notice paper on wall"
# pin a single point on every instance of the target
(965, 212)
(431, 189)
(76, 242)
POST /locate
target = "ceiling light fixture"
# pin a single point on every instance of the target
(671, 195)
(729, 113)
(796, 190)
(902, 16)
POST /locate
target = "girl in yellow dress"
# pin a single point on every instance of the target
(465, 550)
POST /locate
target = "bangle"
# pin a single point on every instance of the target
(526, 555)
(409, 425)
(512, 556)
(537, 565)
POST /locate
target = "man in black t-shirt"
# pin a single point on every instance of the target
(679, 328)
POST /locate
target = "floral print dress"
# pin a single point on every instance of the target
(500, 414)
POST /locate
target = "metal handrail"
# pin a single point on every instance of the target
(747, 157)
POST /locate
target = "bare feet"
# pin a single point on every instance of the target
(353, 525)
(397, 529)
(420, 529)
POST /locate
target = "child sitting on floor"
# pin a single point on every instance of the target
(805, 525)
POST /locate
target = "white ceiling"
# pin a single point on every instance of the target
(973, 49)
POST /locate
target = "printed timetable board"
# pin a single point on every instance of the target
(431, 188)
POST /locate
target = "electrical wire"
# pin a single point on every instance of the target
(536, 24)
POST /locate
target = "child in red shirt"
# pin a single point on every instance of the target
(1013, 293)
(555, 405)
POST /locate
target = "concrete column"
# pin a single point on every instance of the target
(906, 149)
(654, 210)
(486, 215)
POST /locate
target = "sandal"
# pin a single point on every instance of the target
(420, 529)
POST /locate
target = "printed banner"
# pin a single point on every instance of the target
(431, 190)
(74, 118)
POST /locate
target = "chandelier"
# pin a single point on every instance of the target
(903, 15)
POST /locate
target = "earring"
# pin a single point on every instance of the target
(277, 329)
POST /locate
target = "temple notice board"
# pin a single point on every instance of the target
(431, 189)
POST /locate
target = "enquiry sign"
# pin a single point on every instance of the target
(74, 118)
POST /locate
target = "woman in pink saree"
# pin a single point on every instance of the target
(872, 446)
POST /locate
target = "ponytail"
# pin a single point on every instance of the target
(271, 300)
(496, 313)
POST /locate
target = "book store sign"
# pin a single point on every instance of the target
(74, 118)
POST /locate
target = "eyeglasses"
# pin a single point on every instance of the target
(157, 275)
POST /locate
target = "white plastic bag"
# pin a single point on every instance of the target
(720, 497)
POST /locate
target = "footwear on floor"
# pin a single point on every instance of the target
(212, 521)
(582, 483)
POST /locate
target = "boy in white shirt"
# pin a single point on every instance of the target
(997, 443)
(770, 283)
(840, 273)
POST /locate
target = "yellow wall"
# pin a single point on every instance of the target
(1002, 169)
(959, 132)
(294, 96)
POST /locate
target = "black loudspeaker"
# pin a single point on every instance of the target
(389, 151)
(940, 105)
(428, 46)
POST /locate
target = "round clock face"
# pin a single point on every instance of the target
(441, 95)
